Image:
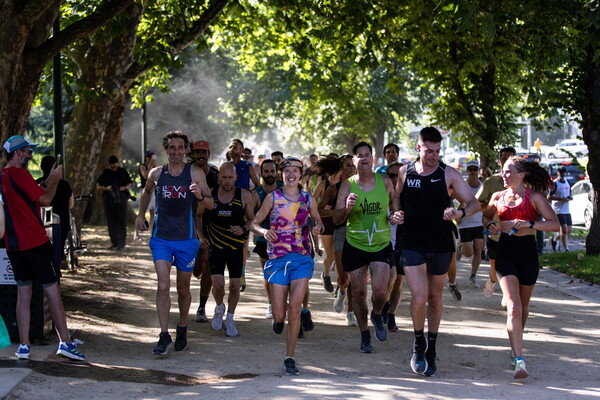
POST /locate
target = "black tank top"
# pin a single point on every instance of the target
(423, 200)
(220, 220)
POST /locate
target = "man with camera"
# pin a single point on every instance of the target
(115, 182)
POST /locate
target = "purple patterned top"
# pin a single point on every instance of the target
(290, 220)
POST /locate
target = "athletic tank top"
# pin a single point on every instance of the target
(242, 169)
(290, 220)
(367, 227)
(174, 206)
(523, 210)
(423, 200)
(222, 217)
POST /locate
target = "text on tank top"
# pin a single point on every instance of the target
(367, 227)
(174, 206)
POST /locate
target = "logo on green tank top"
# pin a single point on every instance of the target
(370, 208)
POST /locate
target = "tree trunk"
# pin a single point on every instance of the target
(591, 136)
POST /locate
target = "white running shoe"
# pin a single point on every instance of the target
(338, 303)
(230, 329)
(520, 369)
(351, 319)
(473, 281)
(269, 314)
(217, 320)
(488, 288)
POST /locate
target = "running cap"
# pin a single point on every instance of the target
(17, 142)
(473, 163)
(149, 153)
(201, 145)
(291, 162)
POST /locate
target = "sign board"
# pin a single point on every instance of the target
(6, 273)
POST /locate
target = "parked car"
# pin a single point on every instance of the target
(574, 146)
(531, 157)
(575, 172)
(581, 206)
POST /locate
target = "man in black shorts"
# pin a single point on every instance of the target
(425, 239)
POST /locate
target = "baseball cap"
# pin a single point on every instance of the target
(149, 153)
(473, 163)
(17, 142)
(201, 145)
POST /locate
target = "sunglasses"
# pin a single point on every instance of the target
(472, 169)
(393, 176)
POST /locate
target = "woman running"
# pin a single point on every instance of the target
(290, 264)
(517, 263)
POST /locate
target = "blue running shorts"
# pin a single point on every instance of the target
(180, 253)
(288, 268)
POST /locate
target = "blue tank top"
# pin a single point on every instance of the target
(174, 206)
(242, 169)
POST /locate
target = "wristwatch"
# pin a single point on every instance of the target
(531, 224)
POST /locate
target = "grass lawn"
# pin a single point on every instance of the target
(574, 263)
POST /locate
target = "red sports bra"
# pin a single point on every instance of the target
(523, 210)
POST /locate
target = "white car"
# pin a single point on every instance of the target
(574, 146)
(581, 206)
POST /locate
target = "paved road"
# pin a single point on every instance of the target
(111, 308)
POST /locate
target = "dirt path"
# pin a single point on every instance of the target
(110, 303)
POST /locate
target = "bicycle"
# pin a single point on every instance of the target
(74, 246)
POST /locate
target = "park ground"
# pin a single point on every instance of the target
(110, 307)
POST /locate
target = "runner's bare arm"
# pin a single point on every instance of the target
(399, 186)
(200, 188)
(396, 216)
(260, 216)
(342, 208)
(461, 190)
(153, 175)
(316, 217)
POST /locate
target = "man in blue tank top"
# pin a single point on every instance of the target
(174, 238)
(425, 239)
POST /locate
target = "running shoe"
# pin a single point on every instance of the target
(69, 350)
(180, 338)
(201, 315)
(230, 329)
(503, 302)
(431, 359)
(553, 243)
(380, 328)
(289, 364)
(306, 321)
(164, 340)
(511, 359)
(488, 288)
(217, 320)
(278, 327)
(473, 281)
(327, 283)
(520, 369)
(338, 303)
(351, 319)
(365, 345)
(301, 332)
(23, 352)
(269, 314)
(391, 324)
(455, 292)
(418, 362)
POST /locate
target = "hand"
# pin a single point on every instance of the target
(237, 230)
(141, 223)
(204, 243)
(194, 187)
(493, 228)
(520, 224)
(351, 200)
(451, 213)
(271, 235)
(318, 229)
(56, 173)
(397, 218)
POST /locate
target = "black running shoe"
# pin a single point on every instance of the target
(365, 345)
(327, 285)
(385, 311)
(289, 364)
(391, 324)
(380, 328)
(418, 362)
(306, 321)
(431, 364)
(278, 327)
(301, 333)
(164, 341)
(180, 339)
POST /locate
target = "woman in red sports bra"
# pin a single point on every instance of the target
(517, 263)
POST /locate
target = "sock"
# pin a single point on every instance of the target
(365, 334)
(518, 358)
(304, 310)
(472, 275)
(431, 339)
(420, 338)
(203, 300)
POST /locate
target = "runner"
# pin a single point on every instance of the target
(425, 239)
(174, 239)
(226, 228)
(290, 264)
(364, 201)
(517, 265)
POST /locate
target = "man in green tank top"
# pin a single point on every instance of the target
(363, 202)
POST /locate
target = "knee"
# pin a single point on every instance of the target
(294, 310)
(467, 251)
(419, 300)
(234, 285)
(380, 293)
(163, 289)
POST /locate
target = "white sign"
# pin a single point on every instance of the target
(7, 277)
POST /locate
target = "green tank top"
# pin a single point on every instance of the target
(368, 228)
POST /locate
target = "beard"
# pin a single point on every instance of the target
(269, 180)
